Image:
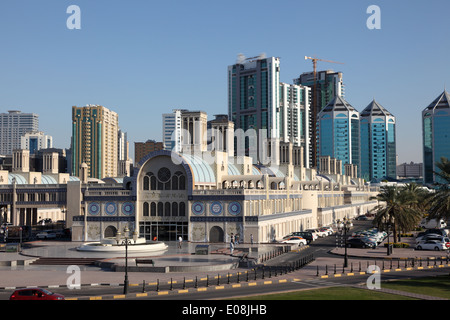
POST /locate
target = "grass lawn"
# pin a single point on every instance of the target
(332, 293)
(431, 286)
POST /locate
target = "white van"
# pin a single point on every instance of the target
(432, 224)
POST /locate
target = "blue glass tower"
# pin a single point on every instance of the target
(378, 143)
(436, 135)
(338, 132)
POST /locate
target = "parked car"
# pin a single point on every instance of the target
(308, 236)
(46, 235)
(295, 240)
(319, 232)
(432, 236)
(433, 245)
(358, 243)
(329, 230)
(35, 294)
(362, 218)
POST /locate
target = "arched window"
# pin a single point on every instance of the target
(145, 209)
(182, 183)
(146, 183)
(153, 209)
(182, 211)
(167, 209)
(174, 209)
(152, 182)
(175, 183)
(160, 209)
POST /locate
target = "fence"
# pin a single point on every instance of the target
(261, 272)
(385, 265)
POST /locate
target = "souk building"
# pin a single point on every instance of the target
(199, 194)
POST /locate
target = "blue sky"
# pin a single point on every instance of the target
(142, 58)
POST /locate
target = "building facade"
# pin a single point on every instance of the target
(95, 141)
(141, 149)
(253, 103)
(294, 117)
(436, 136)
(35, 141)
(338, 132)
(172, 130)
(14, 125)
(378, 143)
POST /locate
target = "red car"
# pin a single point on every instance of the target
(35, 294)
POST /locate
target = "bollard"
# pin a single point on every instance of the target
(247, 276)
(218, 279)
(171, 285)
(228, 276)
(157, 285)
(207, 280)
(196, 282)
(143, 286)
(326, 270)
(184, 283)
(317, 274)
(334, 268)
(360, 266)
(238, 280)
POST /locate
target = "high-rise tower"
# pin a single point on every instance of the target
(95, 141)
(338, 133)
(436, 135)
(378, 143)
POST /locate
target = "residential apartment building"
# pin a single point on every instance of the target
(35, 141)
(95, 141)
(141, 149)
(253, 103)
(13, 125)
(294, 118)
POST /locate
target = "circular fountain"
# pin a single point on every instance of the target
(110, 245)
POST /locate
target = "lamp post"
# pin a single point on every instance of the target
(125, 242)
(343, 227)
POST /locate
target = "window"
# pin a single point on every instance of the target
(145, 209)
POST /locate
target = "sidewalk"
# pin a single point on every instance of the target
(22, 275)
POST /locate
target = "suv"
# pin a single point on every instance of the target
(318, 232)
(309, 236)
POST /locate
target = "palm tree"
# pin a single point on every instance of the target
(439, 202)
(397, 209)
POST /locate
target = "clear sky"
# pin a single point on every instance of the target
(142, 58)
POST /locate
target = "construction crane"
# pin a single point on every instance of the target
(314, 106)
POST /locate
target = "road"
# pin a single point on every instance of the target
(275, 277)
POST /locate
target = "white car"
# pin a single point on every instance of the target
(295, 240)
(433, 245)
(432, 236)
(319, 233)
(46, 235)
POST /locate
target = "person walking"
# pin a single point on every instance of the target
(180, 241)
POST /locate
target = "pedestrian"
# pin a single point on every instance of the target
(251, 238)
(180, 240)
(231, 247)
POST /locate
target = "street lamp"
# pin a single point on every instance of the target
(125, 242)
(343, 227)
